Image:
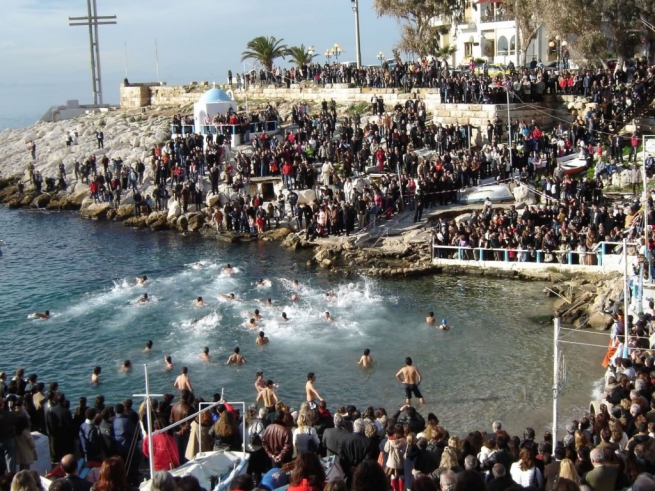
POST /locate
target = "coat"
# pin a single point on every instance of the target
(124, 432)
(194, 446)
(60, 432)
(90, 442)
(395, 450)
(25, 449)
(165, 455)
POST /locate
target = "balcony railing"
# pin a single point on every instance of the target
(494, 16)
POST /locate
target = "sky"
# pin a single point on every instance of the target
(46, 62)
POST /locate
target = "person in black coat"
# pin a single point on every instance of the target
(501, 481)
(355, 448)
(59, 423)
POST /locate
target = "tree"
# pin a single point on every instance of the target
(529, 18)
(419, 34)
(265, 50)
(299, 55)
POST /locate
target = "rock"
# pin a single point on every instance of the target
(292, 241)
(196, 222)
(86, 203)
(13, 203)
(97, 211)
(277, 234)
(135, 142)
(152, 218)
(306, 196)
(182, 223)
(137, 222)
(41, 201)
(160, 224)
(323, 254)
(124, 212)
(27, 198)
(600, 321)
(174, 209)
(326, 263)
(522, 193)
(111, 214)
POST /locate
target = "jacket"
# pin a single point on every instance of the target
(354, 448)
(164, 449)
(395, 450)
(602, 478)
(181, 410)
(304, 485)
(278, 443)
(90, 442)
(124, 433)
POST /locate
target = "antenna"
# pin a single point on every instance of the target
(93, 20)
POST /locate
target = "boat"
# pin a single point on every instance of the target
(572, 164)
(331, 466)
(496, 193)
(214, 470)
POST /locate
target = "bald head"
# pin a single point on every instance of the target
(597, 456)
(69, 464)
(447, 480)
(498, 470)
(644, 483)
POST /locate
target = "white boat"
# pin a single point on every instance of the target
(573, 163)
(495, 193)
(208, 467)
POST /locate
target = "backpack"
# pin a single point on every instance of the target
(254, 437)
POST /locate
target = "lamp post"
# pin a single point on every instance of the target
(328, 55)
(310, 52)
(563, 46)
(337, 51)
(380, 57)
(358, 47)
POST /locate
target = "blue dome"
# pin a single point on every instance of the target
(215, 95)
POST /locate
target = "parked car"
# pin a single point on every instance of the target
(493, 70)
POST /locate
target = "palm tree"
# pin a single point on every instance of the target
(299, 55)
(265, 50)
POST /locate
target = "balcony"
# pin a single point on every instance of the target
(487, 16)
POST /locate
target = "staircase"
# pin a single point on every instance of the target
(631, 117)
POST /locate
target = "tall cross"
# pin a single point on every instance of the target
(93, 20)
(147, 397)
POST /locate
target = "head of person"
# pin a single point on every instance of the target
(205, 350)
(470, 462)
(112, 475)
(408, 361)
(62, 484)
(199, 299)
(424, 483)
(149, 344)
(367, 352)
(597, 457)
(358, 426)
(168, 359)
(279, 417)
(162, 481)
(261, 334)
(447, 480)
(568, 471)
(97, 370)
(308, 467)
(189, 483)
(470, 480)
(335, 485)
(526, 459)
(448, 458)
(369, 476)
(243, 482)
(23, 481)
(498, 471)
(311, 377)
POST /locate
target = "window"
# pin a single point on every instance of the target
(468, 50)
(512, 45)
(502, 45)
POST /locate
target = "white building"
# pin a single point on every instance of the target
(487, 32)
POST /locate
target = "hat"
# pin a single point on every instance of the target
(443, 321)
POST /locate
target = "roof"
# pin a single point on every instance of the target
(215, 95)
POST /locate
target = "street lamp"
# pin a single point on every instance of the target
(328, 55)
(380, 57)
(564, 44)
(337, 51)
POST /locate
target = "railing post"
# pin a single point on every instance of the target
(506, 255)
(539, 257)
(481, 254)
(570, 254)
(459, 253)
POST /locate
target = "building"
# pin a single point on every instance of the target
(486, 31)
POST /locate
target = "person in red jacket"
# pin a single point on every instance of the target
(164, 449)
(308, 474)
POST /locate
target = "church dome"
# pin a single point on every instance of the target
(215, 95)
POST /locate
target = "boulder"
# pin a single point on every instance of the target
(111, 214)
(27, 198)
(174, 209)
(195, 222)
(41, 201)
(124, 212)
(137, 222)
(153, 217)
(96, 211)
(323, 254)
(277, 234)
(326, 263)
(13, 203)
(306, 196)
(160, 224)
(216, 199)
(75, 199)
(86, 203)
(182, 223)
(292, 241)
(600, 321)
(524, 194)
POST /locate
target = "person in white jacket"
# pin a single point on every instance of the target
(524, 472)
(305, 438)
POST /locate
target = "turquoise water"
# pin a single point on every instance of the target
(495, 363)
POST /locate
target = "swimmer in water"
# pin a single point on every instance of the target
(263, 282)
(197, 265)
(228, 269)
(284, 317)
(205, 354)
(236, 358)
(444, 325)
(252, 324)
(430, 318)
(41, 316)
(199, 302)
(95, 376)
(148, 347)
(255, 315)
(262, 338)
(228, 296)
(291, 283)
(268, 302)
(125, 367)
(328, 317)
(169, 362)
(366, 360)
(141, 281)
(143, 298)
(295, 297)
(330, 294)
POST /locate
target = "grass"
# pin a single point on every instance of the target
(358, 108)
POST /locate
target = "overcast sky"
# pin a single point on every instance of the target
(197, 39)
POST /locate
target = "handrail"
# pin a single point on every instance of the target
(233, 129)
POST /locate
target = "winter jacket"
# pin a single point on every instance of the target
(165, 455)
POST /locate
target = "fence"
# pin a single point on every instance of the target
(226, 129)
(600, 256)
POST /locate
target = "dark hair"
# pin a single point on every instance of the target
(367, 351)
(424, 483)
(564, 484)
(205, 350)
(97, 370)
(308, 466)
(369, 476)
(185, 370)
(185, 395)
(408, 361)
(261, 334)
(470, 480)
(90, 413)
(237, 350)
(188, 483)
(279, 417)
(61, 484)
(119, 408)
(113, 476)
(310, 375)
(149, 344)
(243, 482)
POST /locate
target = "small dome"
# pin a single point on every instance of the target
(215, 95)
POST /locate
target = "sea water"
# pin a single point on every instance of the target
(494, 363)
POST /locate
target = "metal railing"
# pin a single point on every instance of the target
(226, 129)
(560, 256)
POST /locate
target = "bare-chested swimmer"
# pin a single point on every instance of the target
(264, 282)
(252, 323)
(366, 360)
(411, 378)
(169, 362)
(148, 347)
(205, 354)
(143, 298)
(199, 302)
(228, 296)
(236, 358)
(125, 367)
(290, 283)
(444, 325)
(256, 315)
(268, 302)
(430, 318)
(262, 338)
(295, 297)
(327, 317)
(284, 317)
(228, 269)
(141, 281)
(95, 376)
(41, 316)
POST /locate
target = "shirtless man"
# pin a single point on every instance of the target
(430, 318)
(205, 354)
(291, 283)
(169, 363)
(148, 347)
(327, 317)
(141, 281)
(311, 392)
(444, 325)
(182, 381)
(264, 282)
(268, 302)
(197, 265)
(143, 298)
(199, 302)
(228, 269)
(295, 297)
(284, 317)
(262, 338)
(269, 397)
(252, 324)
(236, 358)
(228, 296)
(95, 376)
(42, 316)
(255, 315)
(366, 360)
(125, 367)
(411, 378)
(330, 294)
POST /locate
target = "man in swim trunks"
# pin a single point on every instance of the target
(42, 316)
(366, 360)
(411, 378)
(430, 318)
(141, 281)
(269, 397)
(311, 392)
(262, 338)
(205, 354)
(236, 358)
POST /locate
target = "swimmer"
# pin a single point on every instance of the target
(262, 338)
(182, 381)
(268, 302)
(228, 269)
(295, 297)
(236, 358)
(197, 265)
(227, 296)
(169, 362)
(330, 294)
(263, 282)
(366, 360)
(256, 315)
(252, 324)
(125, 367)
(430, 318)
(411, 378)
(328, 317)
(143, 298)
(291, 283)
(148, 347)
(41, 316)
(95, 376)
(141, 281)
(205, 354)
(444, 325)
(284, 317)
(311, 392)
(199, 302)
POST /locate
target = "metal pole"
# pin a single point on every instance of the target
(645, 181)
(151, 460)
(626, 297)
(97, 50)
(93, 59)
(157, 61)
(357, 40)
(509, 132)
(556, 326)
